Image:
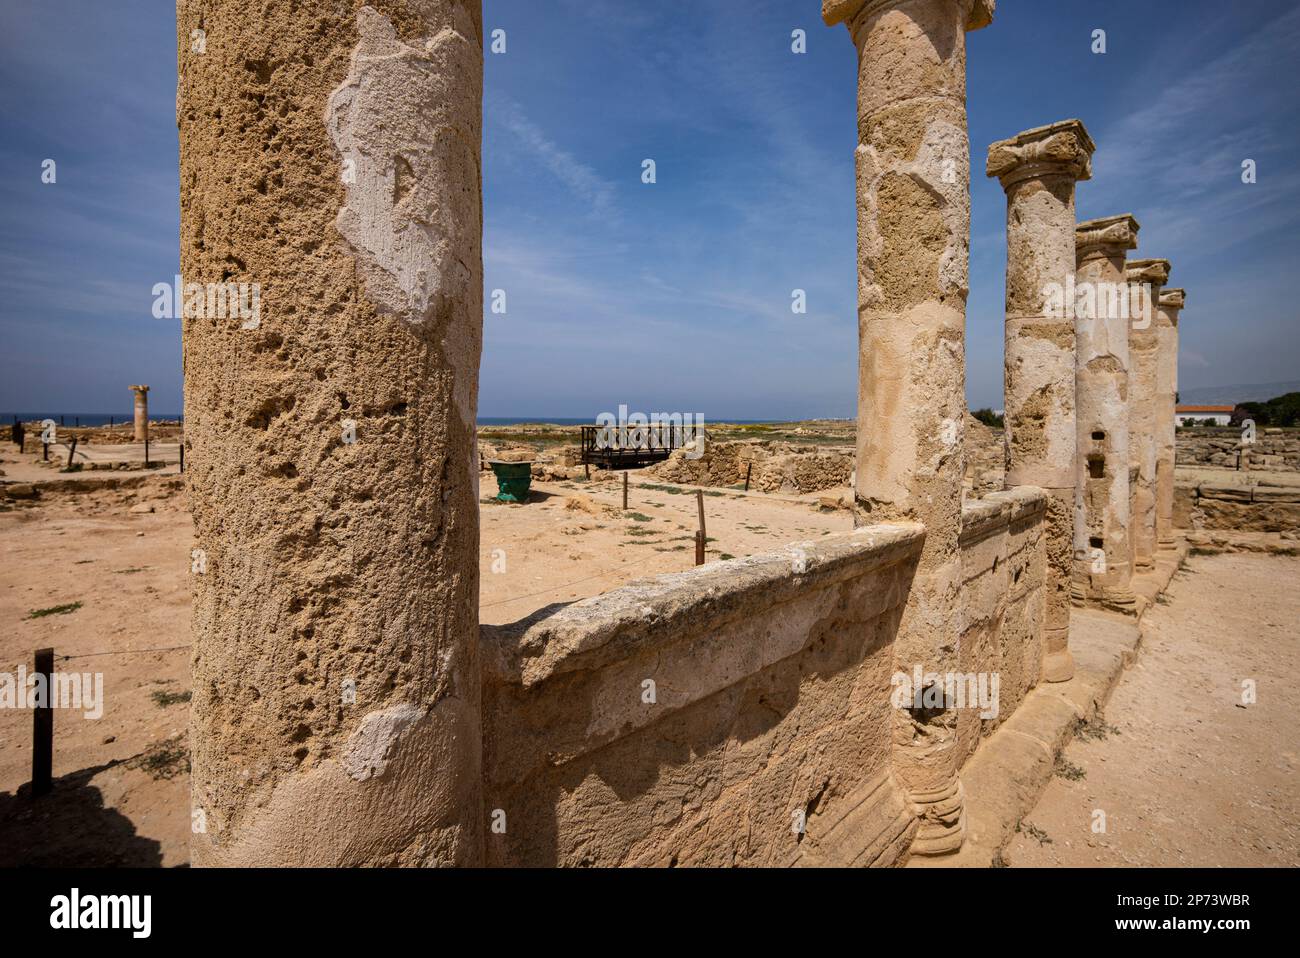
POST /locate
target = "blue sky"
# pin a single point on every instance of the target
(676, 295)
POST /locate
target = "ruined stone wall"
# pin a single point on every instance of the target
(1237, 507)
(771, 699)
(985, 459)
(1274, 449)
(771, 695)
(773, 467)
(1004, 569)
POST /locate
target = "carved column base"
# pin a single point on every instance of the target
(943, 820)
(1122, 600)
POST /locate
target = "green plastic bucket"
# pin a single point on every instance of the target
(513, 480)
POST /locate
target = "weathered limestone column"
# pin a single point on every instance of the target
(141, 412)
(1038, 169)
(330, 154)
(1171, 305)
(1103, 551)
(1146, 278)
(913, 184)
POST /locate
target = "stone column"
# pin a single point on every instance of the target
(1103, 552)
(913, 185)
(141, 412)
(1146, 278)
(1171, 305)
(1038, 170)
(330, 155)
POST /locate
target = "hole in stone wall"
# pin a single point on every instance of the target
(1099, 435)
(1096, 543)
(1096, 467)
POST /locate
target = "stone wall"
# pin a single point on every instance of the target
(1276, 450)
(985, 459)
(1004, 568)
(1238, 508)
(771, 700)
(773, 467)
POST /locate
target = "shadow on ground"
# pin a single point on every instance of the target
(70, 828)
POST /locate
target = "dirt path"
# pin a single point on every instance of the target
(1185, 773)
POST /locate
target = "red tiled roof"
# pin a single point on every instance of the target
(1205, 408)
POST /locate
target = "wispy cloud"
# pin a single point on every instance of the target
(581, 180)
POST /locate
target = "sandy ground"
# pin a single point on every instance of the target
(1185, 772)
(122, 786)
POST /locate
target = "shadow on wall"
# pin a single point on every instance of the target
(697, 718)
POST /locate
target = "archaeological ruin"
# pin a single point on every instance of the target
(348, 707)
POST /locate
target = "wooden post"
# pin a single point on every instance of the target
(45, 451)
(701, 537)
(72, 452)
(43, 728)
(625, 491)
(183, 455)
(146, 453)
(748, 469)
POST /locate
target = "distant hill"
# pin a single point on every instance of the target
(1231, 395)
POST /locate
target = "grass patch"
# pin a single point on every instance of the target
(164, 760)
(162, 698)
(1034, 832)
(131, 571)
(1068, 770)
(64, 609)
(639, 517)
(640, 531)
(726, 555)
(1094, 730)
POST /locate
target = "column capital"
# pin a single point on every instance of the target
(1153, 271)
(1173, 299)
(844, 11)
(140, 389)
(1110, 234)
(1063, 148)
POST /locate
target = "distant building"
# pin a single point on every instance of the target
(1222, 415)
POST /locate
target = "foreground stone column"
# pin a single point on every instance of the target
(141, 412)
(1038, 169)
(330, 155)
(913, 184)
(1103, 552)
(1167, 313)
(1146, 278)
